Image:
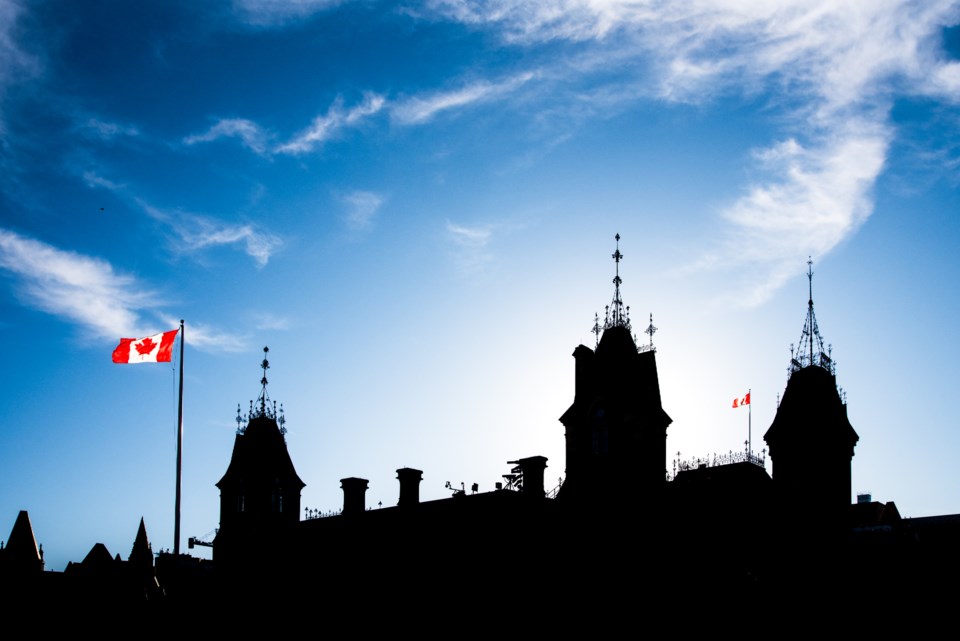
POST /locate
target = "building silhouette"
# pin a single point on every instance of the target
(621, 533)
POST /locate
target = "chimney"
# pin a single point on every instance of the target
(409, 486)
(354, 492)
(532, 469)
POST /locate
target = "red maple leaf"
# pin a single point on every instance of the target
(145, 346)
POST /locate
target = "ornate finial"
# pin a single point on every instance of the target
(615, 315)
(239, 420)
(596, 329)
(263, 382)
(810, 351)
(264, 407)
(650, 331)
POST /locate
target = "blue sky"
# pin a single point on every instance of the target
(413, 204)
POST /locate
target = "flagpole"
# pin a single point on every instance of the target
(176, 518)
(749, 419)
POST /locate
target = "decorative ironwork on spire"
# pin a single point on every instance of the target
(616, 314)
(810, 350)
(263, 401)
(649, 331)
(264, 407)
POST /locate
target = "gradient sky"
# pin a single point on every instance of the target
(414, 203)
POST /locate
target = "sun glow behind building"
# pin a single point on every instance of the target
(415, 210)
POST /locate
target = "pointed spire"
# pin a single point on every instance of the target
(616, 314)
(810, 350)
(142, 553)
(263, 407)
(21, 552)
(264, 399)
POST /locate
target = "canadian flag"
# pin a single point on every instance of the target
(152, 349)
(737, 402)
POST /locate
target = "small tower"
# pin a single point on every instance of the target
(811, 440)
(21, 556)
(616, 429)
(141, 555)
(260, 492)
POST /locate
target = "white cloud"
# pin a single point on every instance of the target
(945, 81)
(836, 51)
(206, 338)
(836, 66)
(268, 321)
(473, 237)
(15, 64)
(471, 253)
(109, 130)
(328, 125)
(417, 110)
(198, 232)
(79, 288)
(267, 13)
(249, 133)
(94, 180)
(89, 292)
(362, 207)
(817, 197)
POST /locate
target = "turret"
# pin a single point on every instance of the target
(616, 426)
(811, 440)
(260, 491)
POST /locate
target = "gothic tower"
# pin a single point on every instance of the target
(259, 494)
(616, 429)
(811, 440)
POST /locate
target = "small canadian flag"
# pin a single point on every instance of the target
(737, 402)
(152, 349)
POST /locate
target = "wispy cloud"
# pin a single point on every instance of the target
(15, 63)
(817, 198)
(81, 289)
(362, 207)
(249, 133)
(270, 13)
(206, 338)
(95, 180)
(471, 251)
(413, 110)
(417, 109)
(837, 66)
(196, 232)
(89, 292)
(330, 124)
(268, 321)
(108, 130)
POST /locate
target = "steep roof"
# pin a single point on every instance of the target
(811, 406)
(259, 453)
(141, 553)
(21, 550)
